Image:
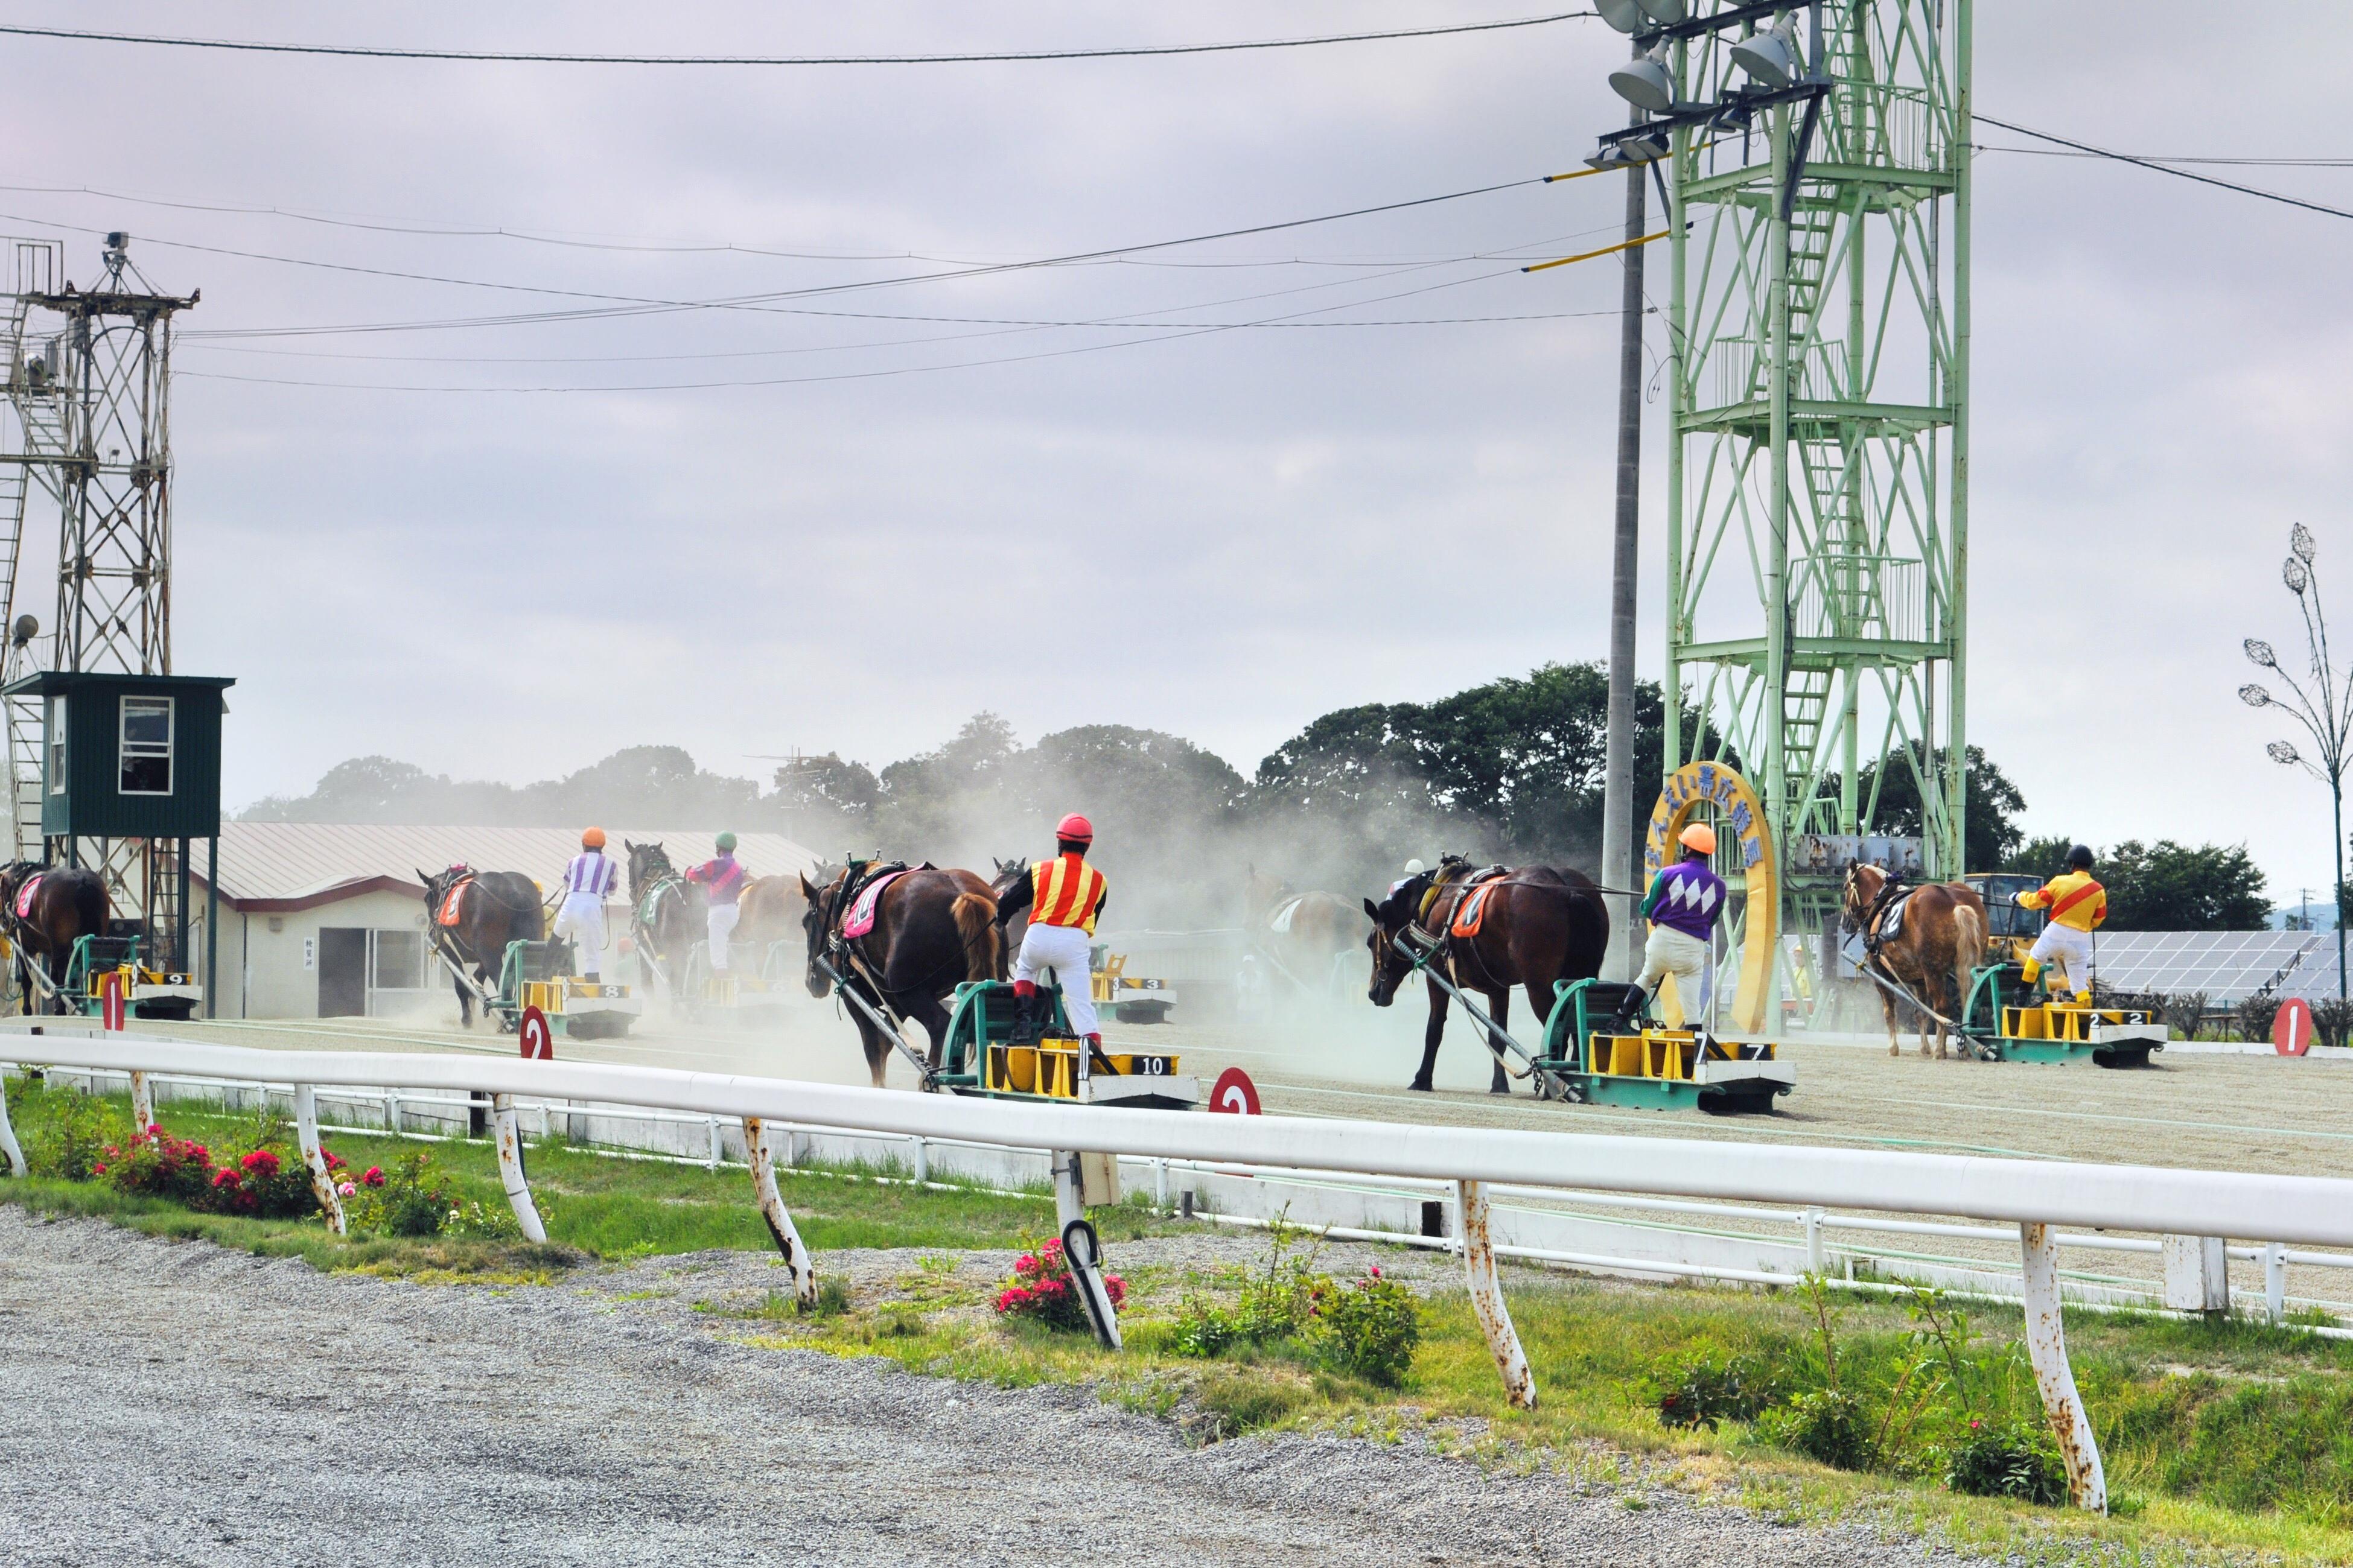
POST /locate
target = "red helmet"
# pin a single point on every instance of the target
(1075, 828)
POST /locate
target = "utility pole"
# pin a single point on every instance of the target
(1619, 866)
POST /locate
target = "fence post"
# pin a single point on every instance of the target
(2046, 1346)
(2276, 1282)
(1487, 1298)
(923, 1163)
(712, 1163)
(1081, 1248)
(322, 1181)
(142, 1100)
(511, 1170)
(772, 1209)
(8, 1144)
(392, 1111)
(1815, 1257)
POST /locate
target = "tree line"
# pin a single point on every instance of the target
(1510, 769)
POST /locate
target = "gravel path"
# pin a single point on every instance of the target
(173, 1403)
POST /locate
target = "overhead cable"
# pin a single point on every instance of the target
(2166, 169)
(358, 51)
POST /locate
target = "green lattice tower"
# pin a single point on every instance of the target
(1818, 449)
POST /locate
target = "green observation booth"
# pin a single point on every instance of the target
(129, 780)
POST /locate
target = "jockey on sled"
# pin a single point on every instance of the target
(1064, 896)
(591, 875)
(1684, 902)
(723, 883)
(2077, 905)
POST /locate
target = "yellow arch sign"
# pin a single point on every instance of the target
(1715, 790)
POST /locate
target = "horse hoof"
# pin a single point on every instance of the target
(1419, 1086)
(1505, 1089)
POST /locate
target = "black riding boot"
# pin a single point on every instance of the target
(1029, 1019)
(1628, 1011)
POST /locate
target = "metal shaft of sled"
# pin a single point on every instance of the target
(2046, 1347)
(1497, 1037)
(464, 979)
(841, 988)
(306, 1134)
(511, 1172)
(1070, 1222)
(763, 1161)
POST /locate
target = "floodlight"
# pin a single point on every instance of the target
(1665, 13)
(1623, 14)
(1643, 81)
(1771, 59)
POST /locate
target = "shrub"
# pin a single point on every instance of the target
(1706, 1389)
(2256, 1014)
(160, 1166)
(414, 1198)
(262, 1183)
(2332, 1020)
(2012, 1461)
(1043, 1289)
(67, 1133)
(1271, 1304)
(1826, 1424)
(1370, 1328)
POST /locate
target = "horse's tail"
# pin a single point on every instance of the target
(975, 919)
(89, 903)
(1968, 946)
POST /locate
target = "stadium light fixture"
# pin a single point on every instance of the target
(1644, 82)
(1771, 59)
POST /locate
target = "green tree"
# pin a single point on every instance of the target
(2167, 886)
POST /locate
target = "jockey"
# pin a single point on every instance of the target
(1413, 867)
(2077, 905)
(588, 879)
(722, 881)
(1684, 902)
(1063, 896)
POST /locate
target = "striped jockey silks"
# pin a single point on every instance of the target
(592, 871)
(1065, 892)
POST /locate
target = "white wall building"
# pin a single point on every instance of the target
(324, 920)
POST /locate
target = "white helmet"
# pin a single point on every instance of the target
(1414, 868)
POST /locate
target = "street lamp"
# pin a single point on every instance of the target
(2326, 710)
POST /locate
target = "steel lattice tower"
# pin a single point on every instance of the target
(90, 389)
(1818, 445)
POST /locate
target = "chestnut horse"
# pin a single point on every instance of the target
(68, 904)
(1940, 937)
(932, 930)
(497, 908)
(1540, 926)
(1300, 935)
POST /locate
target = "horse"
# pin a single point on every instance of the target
(766, 913)
(68, 905)
(1939, 938)
(494, 908)
(1300, 935)
(1539, 926)
(666, 912)
(932, 929)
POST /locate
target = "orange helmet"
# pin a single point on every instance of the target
(593, 839)
(1699, 835)
(1075, 828)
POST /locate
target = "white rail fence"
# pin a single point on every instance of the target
(2185, 1215)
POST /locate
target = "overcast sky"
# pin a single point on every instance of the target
(880, 522)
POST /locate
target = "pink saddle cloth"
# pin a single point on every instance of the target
(861, 911)
(25, 896)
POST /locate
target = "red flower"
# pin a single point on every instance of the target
(1052, 1249)
(374, 1177)
(112, 1151)
(1116, 1289)
(154, 1130)
(224, 1178)
(97, 1170)
(1376, 1270)
(261, 1161)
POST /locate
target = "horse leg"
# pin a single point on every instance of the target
(1887, 1006)
(465, 1001)
(878, 1055)
(928, 1012)
(1499, 1008)
(1431, 1037)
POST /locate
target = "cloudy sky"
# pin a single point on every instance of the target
(847, 520)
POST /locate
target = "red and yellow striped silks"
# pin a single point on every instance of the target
(1065, 892)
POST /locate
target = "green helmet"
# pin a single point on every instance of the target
(727, 844)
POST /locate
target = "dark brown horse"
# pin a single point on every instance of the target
(68, 905)
(492, 908)
(1539, 926)
(1938, 938)
(1299, 935)
(932, 930)
(667, 914)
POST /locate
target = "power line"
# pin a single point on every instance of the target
(358, 51)
(2154, 158)
(2164, 169)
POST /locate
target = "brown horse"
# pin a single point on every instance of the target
(1539, 926)
(68, 905)
(493, 909)
(766, 912)
(1299, 935)
(932, 930)
(1939, 936)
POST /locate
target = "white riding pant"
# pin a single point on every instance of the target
(1063, 950)
(582, 920)
(2067, 950)
(722, 926)
(1684, 956)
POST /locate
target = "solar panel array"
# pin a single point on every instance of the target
(2227, 965)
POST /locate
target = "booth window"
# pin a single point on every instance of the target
(147, 745)
(56, 745)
